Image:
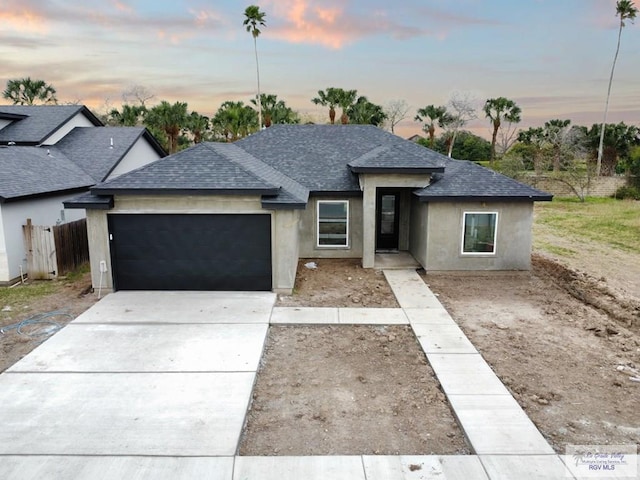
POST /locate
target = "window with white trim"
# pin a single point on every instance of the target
(479, 231)
(333, 223)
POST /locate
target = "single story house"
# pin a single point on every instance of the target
(239, 216)
(49, 154)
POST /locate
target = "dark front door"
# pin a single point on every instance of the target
(387, 219)
(190, 252)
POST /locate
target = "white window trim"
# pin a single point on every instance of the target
(318, 245)
(495, 236)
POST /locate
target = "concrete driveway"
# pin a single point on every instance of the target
(140, 374)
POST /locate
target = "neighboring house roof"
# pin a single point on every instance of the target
(464, 180)
(99, 150)
(209, 168)
(38, 122)
(30, 171)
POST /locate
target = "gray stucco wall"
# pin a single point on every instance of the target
(418, 230)
(444, 237)
(284, 230)
(309, 230)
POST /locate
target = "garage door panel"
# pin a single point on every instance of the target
(191, 252)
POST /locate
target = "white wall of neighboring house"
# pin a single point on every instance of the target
(79, 120)
(42, 211)
(138, 156)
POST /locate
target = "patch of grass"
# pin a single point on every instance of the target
(17, 298)
(608, 221)
(557, 250)
(78, 273)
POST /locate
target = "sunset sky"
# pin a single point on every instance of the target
(553, 57)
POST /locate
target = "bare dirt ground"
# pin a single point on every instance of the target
(339, 283)
(562, 341)
(348, 390)
(72, 297)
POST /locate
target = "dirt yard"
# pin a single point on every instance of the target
(22, 303)
(348, 390)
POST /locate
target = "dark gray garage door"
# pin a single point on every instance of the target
(191, 252)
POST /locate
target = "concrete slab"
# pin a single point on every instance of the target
(296, 468)
(433, 316)
(450, 467)
(525, 467)
(304, 315)
(466, 374)
(115, 468)
(167, 414)
(496, 425)
(410, 290)
(373, 316)
(442, 339)
(149, 348)
(181, 307)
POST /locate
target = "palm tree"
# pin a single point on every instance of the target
(435, 115)
(197, 125)
(235, 120)
(276, 111)
(497, 110)
(254, 18)
(626, 10)
(169, 120)
(25, 91)
(329, 98)
(364, 112)
(346, 98)
(129, 116)
(555, 132)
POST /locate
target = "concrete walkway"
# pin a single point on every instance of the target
(157, 385)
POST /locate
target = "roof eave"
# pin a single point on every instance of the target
(100, 203)
(483, 198)
(183, 191)
(406, 170)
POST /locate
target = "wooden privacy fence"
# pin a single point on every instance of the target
(53, 251)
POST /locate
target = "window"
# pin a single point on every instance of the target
(333, 223)
(479, 233)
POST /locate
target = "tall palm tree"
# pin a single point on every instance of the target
(254, 18)
(626, 10)
(364, 112)
(435, 115)
(498, 110)
(329, 98)
(25, 91)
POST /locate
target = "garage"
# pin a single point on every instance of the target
(229, 252)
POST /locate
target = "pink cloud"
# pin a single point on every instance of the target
(21, 18)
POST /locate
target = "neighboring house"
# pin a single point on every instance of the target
(415, 138)
(240, 216)
(49, 154)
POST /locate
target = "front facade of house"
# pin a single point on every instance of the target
(48, 155)
(240, 216)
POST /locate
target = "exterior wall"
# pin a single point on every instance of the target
(599, 186)
(369, 183)
(444, 237)
(418, 230)
(79, 120)
(284, 225)
(4, 123)
(141, 154)
(42, 211)
(309, 230)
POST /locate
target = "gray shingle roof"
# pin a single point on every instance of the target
(198, 169)
(28, 171)
(466, 180)
(401, 157)
(40, 123)
(90, 148)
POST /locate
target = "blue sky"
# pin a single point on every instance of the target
(553, 57)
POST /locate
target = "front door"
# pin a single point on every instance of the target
(387, 219)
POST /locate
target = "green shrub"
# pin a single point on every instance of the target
(628, 192)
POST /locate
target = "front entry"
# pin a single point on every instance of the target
(387, 219)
